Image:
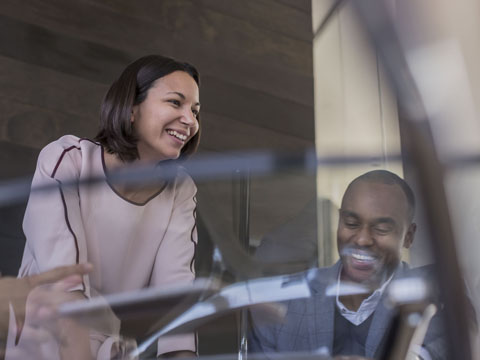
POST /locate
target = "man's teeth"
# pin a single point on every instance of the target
(177, 135)
(362, 257)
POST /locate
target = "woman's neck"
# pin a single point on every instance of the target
(137, 193)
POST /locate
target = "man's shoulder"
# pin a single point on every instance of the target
(421, 271)
(329, 271)
(318, 281)
(320, 278)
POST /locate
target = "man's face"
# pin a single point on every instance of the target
(373, 227)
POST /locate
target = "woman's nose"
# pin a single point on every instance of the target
(189, 118)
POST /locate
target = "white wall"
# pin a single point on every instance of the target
(355, 110)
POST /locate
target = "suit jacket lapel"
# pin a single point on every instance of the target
(382, 318)
(378, 328)
(322, 322)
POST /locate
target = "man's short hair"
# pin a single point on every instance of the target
(388, 178)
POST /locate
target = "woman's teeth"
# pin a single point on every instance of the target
(177, 135)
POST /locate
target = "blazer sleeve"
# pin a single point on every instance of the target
(52, 223)
(174, 263)
(435, 341)
(261, 337)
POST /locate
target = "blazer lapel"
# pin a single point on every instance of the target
(323, 309)
(378, 328)
(382, 318)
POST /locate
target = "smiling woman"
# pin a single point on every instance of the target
(167, 119)
(147, 86)
(135, 236)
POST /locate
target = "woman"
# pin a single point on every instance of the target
(134, 236)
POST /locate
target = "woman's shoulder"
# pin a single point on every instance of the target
(182, 187)
(68, 142)
(69, 149)
(184, 180)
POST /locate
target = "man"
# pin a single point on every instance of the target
(375, 223)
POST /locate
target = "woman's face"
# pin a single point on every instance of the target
(167, 119)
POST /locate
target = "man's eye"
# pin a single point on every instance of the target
(351, 225)
(382, 230)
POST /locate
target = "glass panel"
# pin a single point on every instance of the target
(299, 255)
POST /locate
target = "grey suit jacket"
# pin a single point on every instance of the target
(308, 324)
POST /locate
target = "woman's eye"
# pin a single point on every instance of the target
(195, 112)
(174, 102)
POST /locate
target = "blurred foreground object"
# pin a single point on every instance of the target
(43, 293)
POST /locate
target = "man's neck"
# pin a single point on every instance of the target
(353, 302)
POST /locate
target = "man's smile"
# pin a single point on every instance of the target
(360, 257)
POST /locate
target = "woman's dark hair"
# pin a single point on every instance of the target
(116, 132)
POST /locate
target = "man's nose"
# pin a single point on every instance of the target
(364, 237)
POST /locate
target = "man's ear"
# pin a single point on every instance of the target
(410, 236)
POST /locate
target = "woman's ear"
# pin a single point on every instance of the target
(133, 114)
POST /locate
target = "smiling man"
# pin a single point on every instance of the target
(375, 224)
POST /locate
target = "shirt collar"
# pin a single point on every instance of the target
(367, 307)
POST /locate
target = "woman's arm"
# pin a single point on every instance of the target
(174, 263)
(54, 229)
(53, 223)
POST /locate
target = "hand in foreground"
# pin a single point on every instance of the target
(42, 326)
(15, 291)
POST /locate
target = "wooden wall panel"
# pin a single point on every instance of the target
(34, 44)
(50, 89)
(289, 21)
(223, 47)
(75, 98)
(16, 160)
(35, 126)
(187, 18)
(233, 135)
(302, 5)
(57, 58)
(257, 108)
(100, 63)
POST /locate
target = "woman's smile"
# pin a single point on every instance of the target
(170, 109)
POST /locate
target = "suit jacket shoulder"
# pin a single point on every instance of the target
(308, 323)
